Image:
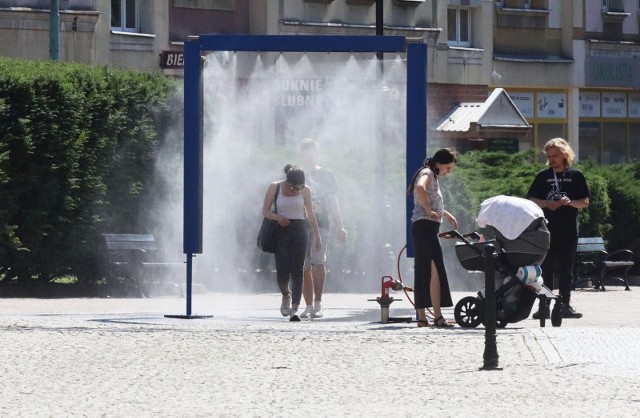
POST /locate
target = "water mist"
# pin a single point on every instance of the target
(257, 108)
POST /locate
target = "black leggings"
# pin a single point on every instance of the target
(291, 248)
(426, 245)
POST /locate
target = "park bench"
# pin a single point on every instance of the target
(132, 258)
(595, 265)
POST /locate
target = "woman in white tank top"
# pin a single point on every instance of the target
(294, 215)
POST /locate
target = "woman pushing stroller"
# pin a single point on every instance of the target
(431, 287)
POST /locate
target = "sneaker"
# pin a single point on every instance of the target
(285, 308)
(569, 312)
(307, 312)
(317, 310)
(294, 316)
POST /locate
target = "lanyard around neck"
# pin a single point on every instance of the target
(555, 179)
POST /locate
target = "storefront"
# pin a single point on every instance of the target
(609, 126)
(610, 110)
(546, 112)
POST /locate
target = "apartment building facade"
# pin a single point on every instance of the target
(570, 67)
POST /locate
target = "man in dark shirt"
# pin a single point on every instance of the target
(560, 191)
(324, 196)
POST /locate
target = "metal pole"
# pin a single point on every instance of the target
(380, 24)
(189, 281)
(490, 349)
(54, 31)
(381, 235)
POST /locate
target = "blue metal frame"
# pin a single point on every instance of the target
(416, 122)
(193, 169)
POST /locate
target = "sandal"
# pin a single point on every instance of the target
(423, 323)
(440, 322)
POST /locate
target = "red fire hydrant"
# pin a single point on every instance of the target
(385, 300)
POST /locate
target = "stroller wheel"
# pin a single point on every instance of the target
(469, 312)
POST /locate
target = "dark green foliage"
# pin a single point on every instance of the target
(623, 188)
(614, 211)
(480, 175)
(77, 147)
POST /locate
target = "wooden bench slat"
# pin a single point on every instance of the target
(147, 246)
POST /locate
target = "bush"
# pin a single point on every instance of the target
(77, 146)
(623, 188)
(614, 208)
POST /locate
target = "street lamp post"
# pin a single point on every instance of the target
(490, 348)
(54, 31)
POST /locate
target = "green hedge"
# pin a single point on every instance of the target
(77, 148)
(614, 212)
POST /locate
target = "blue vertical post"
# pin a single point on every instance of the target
(416, 121)
(193, 163)
(193, 167)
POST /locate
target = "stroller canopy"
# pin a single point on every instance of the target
(508, 214)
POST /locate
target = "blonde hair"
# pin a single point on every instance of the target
(564, 148)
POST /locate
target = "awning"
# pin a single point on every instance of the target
(495, 116)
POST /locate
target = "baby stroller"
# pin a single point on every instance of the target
(521, 242)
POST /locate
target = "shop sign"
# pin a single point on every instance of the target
(510, 145)
(612, 72)
(299, 92)
(551, 105)
(524, 102)
(172, 59)
(614, 105)
(589, 104)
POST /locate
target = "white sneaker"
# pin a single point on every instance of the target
(285, 308)
(307, 312)
(317, 310)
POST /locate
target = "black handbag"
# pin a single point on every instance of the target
(267, 234)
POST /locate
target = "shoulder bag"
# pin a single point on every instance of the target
(267, 234)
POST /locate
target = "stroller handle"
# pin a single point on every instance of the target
(455, 234)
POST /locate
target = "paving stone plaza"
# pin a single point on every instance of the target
(123, 357)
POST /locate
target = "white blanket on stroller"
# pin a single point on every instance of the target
(508, 214)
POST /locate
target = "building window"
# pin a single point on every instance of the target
(458, 26)
(514, 4)
(223, 5)
(124, 15)
(616, 6)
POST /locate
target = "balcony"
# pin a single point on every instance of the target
(522, 17)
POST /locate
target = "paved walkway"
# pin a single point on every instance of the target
(123, 358)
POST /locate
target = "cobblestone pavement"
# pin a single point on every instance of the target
(124, 358)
